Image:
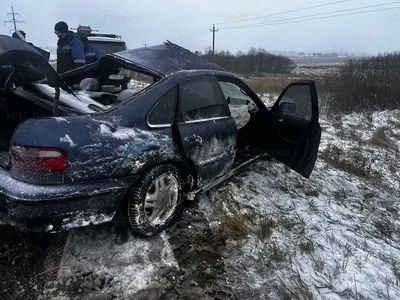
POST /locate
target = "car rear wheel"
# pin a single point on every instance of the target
(156, 200)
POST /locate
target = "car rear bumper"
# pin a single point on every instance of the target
(52, 208)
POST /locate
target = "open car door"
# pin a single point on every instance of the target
(294, 131)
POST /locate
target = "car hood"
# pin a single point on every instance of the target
(29, 65)
(167, 58)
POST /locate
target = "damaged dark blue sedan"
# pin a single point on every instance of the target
(76, 148)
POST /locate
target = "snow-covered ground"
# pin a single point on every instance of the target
(314, 66)
(335, 236)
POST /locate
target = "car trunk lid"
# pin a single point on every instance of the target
(20, 64)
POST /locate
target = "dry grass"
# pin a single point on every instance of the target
(265, 229)
(310, 191)
(277, 254)
(380, 138)
(234, 224)
(306, 245)
(354, 163)
(295, 289)
(318, 263)
(268, 84)
(385, 227)
(294, 224)
(235, 227)
(366, 84)
(313, 206)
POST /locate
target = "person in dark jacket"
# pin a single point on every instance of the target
(70, 52)
(21, 35)
(92, 54)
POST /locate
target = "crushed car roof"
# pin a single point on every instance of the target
(168, 58)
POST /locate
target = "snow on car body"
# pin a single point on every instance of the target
(73, 161)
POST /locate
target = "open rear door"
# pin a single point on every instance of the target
(294, 132)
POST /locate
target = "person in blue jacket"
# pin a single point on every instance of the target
(92, 54)
(70, 52)
(21, 35)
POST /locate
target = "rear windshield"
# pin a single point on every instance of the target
(108, 47)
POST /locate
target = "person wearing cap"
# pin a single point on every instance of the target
(21, 35)
(70, 51)
(92, 54)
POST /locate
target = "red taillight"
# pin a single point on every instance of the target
(38, 159)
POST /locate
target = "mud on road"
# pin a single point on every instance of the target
(108, 262)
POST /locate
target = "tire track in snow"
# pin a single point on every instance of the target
(108, 261)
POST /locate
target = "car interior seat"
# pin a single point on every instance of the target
(90, 84)
(125, 95)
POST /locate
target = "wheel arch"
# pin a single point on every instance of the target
(186, 166)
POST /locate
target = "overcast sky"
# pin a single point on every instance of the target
(153, 21)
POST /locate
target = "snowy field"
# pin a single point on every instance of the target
(267, 233)
(335, 236)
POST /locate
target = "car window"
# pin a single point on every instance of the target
(163, 112)
(108, 47)
(202, 99)
(297, 102)
(234, 94)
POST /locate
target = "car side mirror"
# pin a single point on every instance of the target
(287, 107)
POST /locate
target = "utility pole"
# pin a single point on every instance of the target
(213, 31)
(145, 44)
(13, 20)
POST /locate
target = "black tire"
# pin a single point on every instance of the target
(137, 214)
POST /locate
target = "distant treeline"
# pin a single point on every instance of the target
(255, 61)
(371, 83)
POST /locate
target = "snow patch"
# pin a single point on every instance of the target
(67, 139)
(132, 262)
(60, 119)
(83, 219)
(124, 133)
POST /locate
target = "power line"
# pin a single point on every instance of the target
(193, 32)
(13, 20)
(196, 35)
(204, 29)
(319, 14)
(281, 13)
(327, 17)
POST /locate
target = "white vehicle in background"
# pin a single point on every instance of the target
(104, 42)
